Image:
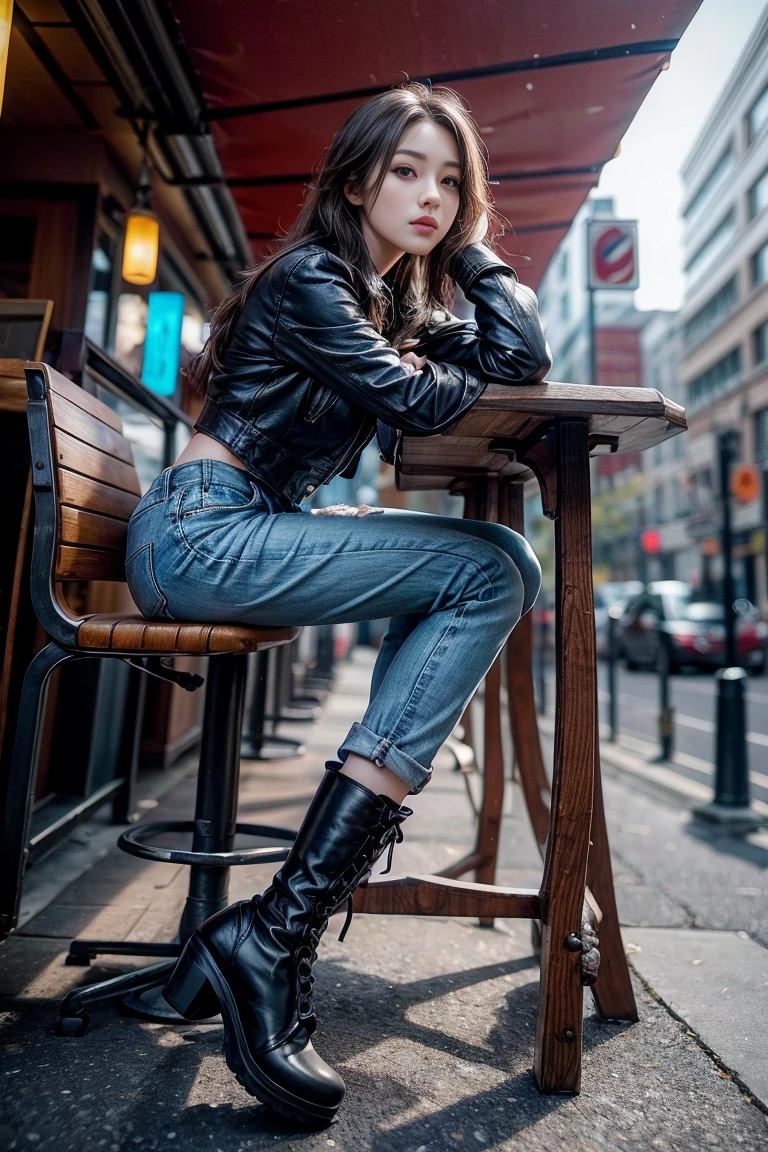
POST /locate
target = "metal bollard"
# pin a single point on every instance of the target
(613, 698)
(541, 670)
(731, 804)
(666, 711)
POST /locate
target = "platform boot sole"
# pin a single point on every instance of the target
(195, 984)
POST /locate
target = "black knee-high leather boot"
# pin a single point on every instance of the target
(253, 961)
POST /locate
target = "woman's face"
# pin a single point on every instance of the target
(419, 199)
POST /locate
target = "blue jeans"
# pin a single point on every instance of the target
(206, 543)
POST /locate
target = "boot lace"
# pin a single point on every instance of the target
(343, 891)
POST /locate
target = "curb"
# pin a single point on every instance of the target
(636, 761)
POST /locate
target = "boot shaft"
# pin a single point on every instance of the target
(344, 832)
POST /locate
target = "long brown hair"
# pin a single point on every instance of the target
(361, 151)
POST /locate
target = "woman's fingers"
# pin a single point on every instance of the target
(412, 363)
(344, 510)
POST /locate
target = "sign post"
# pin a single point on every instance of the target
(611, 264)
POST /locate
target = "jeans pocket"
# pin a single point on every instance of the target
(218, 498)
(143, 585)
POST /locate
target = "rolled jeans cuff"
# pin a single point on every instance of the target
(385, 754)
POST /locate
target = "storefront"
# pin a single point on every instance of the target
(72, 157)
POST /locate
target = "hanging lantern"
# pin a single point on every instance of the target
(141, 247)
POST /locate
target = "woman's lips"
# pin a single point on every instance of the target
(423, 227)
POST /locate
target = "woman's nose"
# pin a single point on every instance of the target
(431, 195)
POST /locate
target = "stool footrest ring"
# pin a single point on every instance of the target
(134, 841)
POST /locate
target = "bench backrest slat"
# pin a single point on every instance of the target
(96, 485)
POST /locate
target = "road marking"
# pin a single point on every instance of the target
(640, 705)
(684, 759)
(683, 684)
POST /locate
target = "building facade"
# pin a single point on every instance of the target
(619, 506)
(666, 484)
(724, 319)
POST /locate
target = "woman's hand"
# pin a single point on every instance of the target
(411, 362)
(345, 510)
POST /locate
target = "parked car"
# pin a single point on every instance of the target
(613, 594)
(666, 621)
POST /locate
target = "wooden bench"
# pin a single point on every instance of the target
(86, 487)
(510, 436)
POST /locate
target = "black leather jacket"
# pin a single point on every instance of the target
(306, 375)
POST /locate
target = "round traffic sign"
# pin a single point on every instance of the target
(614, 255)
(745, 483)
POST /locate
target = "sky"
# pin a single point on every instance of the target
(645, 178)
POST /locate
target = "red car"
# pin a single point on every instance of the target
(665, 619)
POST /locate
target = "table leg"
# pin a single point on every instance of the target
(557, 1059)
(613, 993)
(521, 702)
(472, 511)
(489, 821)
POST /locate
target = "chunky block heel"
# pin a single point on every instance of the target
(189, 991)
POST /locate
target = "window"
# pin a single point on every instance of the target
(759, 264)
(761, 437)
(714, 246)
(760, 344)
(681, 496)
(711, 314)
(758, 196)
(757, 115)
(564, 265)
(658, 504)
(712, 184)
(702, 494)
(565, 307)
(716, 380)
(98, 312)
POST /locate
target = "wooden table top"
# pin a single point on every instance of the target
(620, 420)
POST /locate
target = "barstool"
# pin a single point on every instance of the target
(86, 488)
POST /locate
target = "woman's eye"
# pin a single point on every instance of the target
(454, 182)
(403, 169)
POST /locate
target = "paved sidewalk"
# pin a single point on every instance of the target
(431, 1022)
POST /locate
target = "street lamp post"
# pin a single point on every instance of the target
(731, 804)
(727, 446)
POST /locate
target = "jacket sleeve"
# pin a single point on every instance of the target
(505, 342)
(321, 327)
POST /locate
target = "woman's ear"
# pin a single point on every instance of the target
(352, 193)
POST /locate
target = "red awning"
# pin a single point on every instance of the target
(553, 87)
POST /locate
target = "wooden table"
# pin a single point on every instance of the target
(512, 434)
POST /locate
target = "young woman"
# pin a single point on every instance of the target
(304, 358)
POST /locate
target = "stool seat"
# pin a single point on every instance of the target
(131, 632)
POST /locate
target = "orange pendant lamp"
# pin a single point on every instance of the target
(141, 247)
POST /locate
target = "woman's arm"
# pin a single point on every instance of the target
(321, 327)
(505, 342)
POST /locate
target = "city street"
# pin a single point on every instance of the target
(693, 698)
(431, 1021)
